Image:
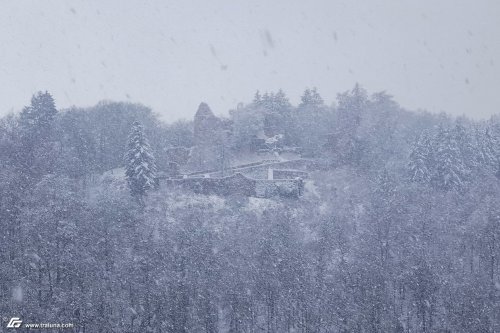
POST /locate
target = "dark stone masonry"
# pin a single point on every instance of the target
(238, 184)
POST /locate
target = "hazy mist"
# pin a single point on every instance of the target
(439, 56)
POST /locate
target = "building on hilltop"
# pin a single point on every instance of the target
(209, 172)
(211, 137)
(205, 125)
(209, 129)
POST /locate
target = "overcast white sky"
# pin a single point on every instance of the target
(171, 55)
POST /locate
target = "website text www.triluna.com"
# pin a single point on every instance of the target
(48, 325)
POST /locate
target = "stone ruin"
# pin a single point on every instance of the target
(262, 179)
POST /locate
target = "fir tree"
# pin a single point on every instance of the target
(352, 105)
(306, 97)
(257, 98)
(276, 102)
(140, 164)
(385, 212)
(36, 123)
(420, 165)
(311, 98)
(281, 101)
(451, 171)
(488, 149)
(467, 146)
(36, 120)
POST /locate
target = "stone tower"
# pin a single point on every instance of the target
(206, 126)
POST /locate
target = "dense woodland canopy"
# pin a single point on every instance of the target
(399, 233)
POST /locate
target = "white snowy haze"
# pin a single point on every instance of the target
(171, 55)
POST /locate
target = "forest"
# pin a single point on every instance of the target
(398, 231)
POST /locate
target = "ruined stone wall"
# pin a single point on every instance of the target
(238, 185)
(287, 188)
(289, 174)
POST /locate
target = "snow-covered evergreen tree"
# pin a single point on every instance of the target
(140, 164)
(352, 105)
(420, 166)
(311, 98)
(257, 98)
(451, 171)
(38, 117)
(275, 102)
(462, 134)
(37, 132)
(488, 151)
